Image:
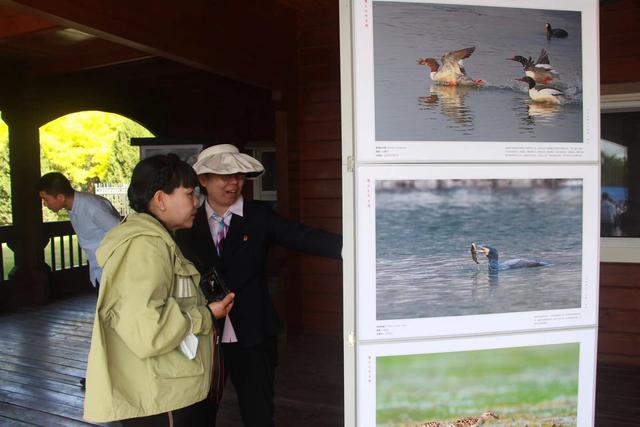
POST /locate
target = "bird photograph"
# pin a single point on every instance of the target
(557, 33)
(463, 422)
(535, 385)
(526, 253)
(451, 72)
(495, 265)
(421, 46)
(543, 93)
(541, 70)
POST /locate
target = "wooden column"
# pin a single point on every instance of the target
(31, 281)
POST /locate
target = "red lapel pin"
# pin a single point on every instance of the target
(245, 237)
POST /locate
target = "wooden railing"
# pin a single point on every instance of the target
(60, 246)
(62, 251)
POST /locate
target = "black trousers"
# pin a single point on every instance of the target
(196, 415)
(252, 373)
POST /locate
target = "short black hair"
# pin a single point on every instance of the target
(164, 172)
(54, 183)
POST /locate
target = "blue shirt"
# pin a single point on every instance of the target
(91, 217)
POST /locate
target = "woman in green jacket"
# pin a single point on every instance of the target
(151, 356)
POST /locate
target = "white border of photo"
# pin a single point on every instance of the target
(369, 328)
(586, 338)
(370, 150)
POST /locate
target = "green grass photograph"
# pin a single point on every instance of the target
(533, 386)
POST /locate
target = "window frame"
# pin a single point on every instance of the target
(620, 249)
(257, 150)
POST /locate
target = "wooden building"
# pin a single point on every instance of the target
(240, 72)
(255, 72)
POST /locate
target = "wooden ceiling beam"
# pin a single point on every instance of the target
(15, 25)
(102, 58)
(252, 42)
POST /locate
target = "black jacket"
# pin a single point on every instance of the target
(243, 261)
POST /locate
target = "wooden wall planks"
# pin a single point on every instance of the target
(320, 191)
(619, 329)
(619, 35)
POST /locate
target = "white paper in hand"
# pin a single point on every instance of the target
(189, 346)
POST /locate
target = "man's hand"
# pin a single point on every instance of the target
(221, 308)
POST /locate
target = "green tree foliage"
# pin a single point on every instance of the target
(123, 156)
(613, 170)
(90, 145)
(5, 182)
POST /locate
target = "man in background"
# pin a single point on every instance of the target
(91, 217)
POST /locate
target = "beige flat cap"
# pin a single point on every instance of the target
(226, 159)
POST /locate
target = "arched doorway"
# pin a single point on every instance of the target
(92, 149)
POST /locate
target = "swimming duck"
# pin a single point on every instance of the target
(555, 32)
(542, 93)
(541, 70)
(451, 72)
(512, 264)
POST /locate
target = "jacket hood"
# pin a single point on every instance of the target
(134, 225)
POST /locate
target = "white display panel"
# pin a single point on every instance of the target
(524, 379)
(416, 277)
(401, 115)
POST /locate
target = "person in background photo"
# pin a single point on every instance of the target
(151, 360)
(233, 235)
(91, 217)
(608, 216)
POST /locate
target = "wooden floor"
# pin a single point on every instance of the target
(43, 354)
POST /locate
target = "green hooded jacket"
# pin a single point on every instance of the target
(148, 302)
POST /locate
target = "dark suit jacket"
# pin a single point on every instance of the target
(243, 261)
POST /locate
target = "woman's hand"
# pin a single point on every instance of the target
(221, 308)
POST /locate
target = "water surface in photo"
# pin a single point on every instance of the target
(424, 230)
(409, 106)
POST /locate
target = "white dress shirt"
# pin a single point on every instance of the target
(91, 217)
(229, 334)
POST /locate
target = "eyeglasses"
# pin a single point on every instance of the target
(229, 177)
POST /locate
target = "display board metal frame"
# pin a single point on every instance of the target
(459, 156)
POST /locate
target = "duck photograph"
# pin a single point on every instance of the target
(458, 247)
(509, 74)
(518, 386)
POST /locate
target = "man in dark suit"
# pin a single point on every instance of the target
(233, 235)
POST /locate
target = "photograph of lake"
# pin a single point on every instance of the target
(527, 236)
(422, 93)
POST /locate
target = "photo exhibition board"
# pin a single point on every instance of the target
(454, 250)
(415, 103)
(535, 379)
(472, 133)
